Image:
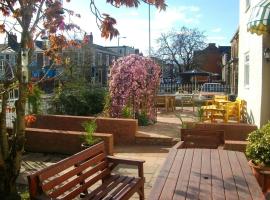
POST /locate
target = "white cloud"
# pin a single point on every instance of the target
(216, 30)
(220, 40)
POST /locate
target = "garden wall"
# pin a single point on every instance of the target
(232, 131)
(123, 130)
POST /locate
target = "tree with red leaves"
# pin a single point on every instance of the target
(33, 19)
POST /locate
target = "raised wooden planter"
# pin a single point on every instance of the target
(123, 130)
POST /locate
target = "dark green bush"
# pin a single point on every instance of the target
(80, 100)
(142, 119)
(258, 148)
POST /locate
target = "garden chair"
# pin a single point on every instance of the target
(161, 101)
(233, 111)
(243, 109)
(187, 100)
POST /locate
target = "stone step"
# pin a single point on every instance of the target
(235, 145)
(155, 139)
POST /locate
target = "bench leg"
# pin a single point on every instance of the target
(141, 193)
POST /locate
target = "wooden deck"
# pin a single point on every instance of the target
(205, 174)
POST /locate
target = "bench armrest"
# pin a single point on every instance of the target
(116, 161)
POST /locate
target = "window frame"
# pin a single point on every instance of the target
(246, 70)
(247, 5)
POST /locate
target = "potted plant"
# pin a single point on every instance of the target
(88, 138)
(258, 151)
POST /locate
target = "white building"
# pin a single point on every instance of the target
(254, 69)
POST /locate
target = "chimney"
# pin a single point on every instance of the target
(12, 41)
(90, 38)
(212, 45)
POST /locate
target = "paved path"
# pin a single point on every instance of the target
(168, 125)
(154, 157)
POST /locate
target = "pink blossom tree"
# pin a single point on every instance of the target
(133, 82)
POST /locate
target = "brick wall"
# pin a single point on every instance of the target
(232, 131)
(123, 130)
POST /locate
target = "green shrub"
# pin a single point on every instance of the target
(126, 112)
(200, 114)
(142, 119)
(90, 127)
(34, 100)
(258, 148)
(80, 100)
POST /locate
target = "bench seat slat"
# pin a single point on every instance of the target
(60, 179)
(87, 184)
(100, 167)
(107, 184)
(115, 185)
(70, 161)
(127, 190)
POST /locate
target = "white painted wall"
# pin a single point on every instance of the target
(253, 44)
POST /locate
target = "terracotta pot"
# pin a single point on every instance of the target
(262, 175)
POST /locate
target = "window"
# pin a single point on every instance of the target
(246, 69)
(99, 58)
(247, 4)
(113, 58)
(107, 60)
(99, 75)
(2, 68)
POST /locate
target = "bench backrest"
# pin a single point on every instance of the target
(70, 177)
(196, 138)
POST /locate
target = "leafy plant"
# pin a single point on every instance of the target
(90, 127)
(200, 114)
(34, 99)
(258, 148)
(143, 119)
(127, 112)
(80, 99)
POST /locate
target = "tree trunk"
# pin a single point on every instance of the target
(7, 176)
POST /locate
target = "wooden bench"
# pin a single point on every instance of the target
(86, 174)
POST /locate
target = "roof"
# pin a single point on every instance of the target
(105, 49)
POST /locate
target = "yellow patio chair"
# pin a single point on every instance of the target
(233, 111)
(243, 109)
(221, 97)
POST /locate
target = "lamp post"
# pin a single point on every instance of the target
(149, 15)
(119, 39)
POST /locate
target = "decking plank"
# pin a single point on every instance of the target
(228, 180)
(240, 181)
(218, 192)
(183, 178)
(206, 174)
(251, 181)
(170, 184)
(194, 179)
(163, 174)
(206, 177)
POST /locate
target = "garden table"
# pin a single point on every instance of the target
(169, 100)
(205, 174)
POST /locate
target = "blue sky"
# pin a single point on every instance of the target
(217, 18)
